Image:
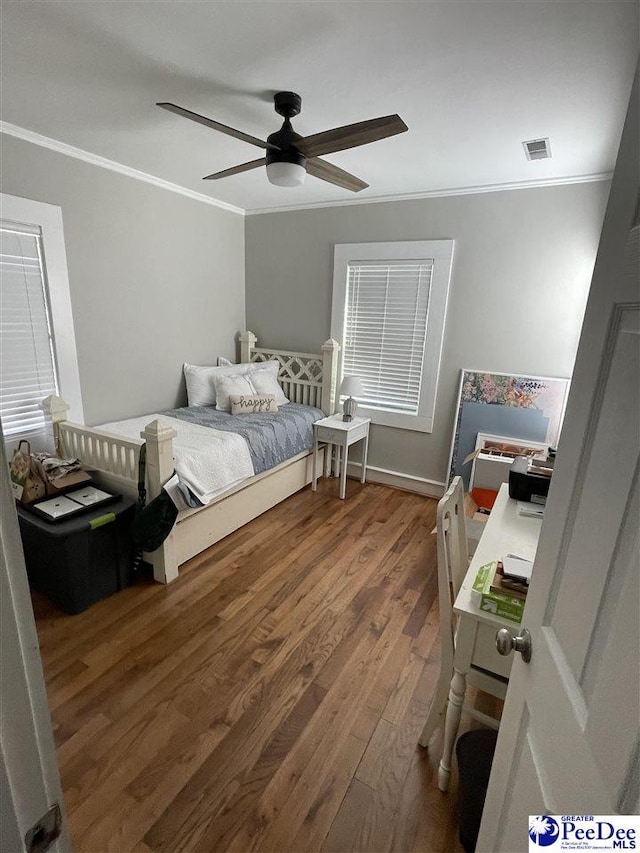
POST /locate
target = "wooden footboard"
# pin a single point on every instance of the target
(113, 461)
(114, 458)
(305, 377)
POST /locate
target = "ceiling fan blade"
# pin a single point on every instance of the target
(216, 125)
(235, 170)
(328, 172)
(350, 136)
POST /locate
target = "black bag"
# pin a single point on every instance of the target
(153, 522)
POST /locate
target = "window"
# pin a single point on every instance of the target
(37, 342)
(389, 308)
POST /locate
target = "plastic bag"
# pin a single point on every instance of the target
(28, 480)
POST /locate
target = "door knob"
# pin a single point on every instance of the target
(506, 643)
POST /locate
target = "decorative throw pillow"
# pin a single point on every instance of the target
(264, 382)
(253, 405)
(227, 385)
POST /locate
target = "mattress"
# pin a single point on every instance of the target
(215, 451)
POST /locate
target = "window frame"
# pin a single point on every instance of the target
(48, 217)
(441, 252)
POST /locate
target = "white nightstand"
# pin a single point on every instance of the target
(342, 434)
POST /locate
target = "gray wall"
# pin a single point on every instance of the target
(156, 278)
(521, 273)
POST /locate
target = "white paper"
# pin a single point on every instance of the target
(531, 509)
(58, 507)
(517, 567)
(88, 496)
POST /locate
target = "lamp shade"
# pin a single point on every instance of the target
(351, 386)
(286, 174)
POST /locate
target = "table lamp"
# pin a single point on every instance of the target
(351, 386)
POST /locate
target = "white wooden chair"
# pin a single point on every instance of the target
(453, 562)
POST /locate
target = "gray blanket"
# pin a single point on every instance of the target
(271, 438)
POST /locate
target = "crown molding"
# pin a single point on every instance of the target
(475, 190)
(104, 163)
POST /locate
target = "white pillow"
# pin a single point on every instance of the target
(201, 390)
(227, 386)
(272, 366)
(200, 379)
(224, 362)
(265, 382)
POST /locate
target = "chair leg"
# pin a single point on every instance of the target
(451, 726)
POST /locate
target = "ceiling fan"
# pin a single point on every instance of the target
(291, 156)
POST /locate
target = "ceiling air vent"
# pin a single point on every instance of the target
(537, 149)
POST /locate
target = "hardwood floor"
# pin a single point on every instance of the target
(270, 699)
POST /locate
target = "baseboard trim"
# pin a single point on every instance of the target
(408, 482)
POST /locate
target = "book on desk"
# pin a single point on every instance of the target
(512, 576)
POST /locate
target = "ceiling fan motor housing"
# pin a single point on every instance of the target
(285, 139)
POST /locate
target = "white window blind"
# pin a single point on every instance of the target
(27, 363)
(386, 314)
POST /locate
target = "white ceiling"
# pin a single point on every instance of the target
(472, 79)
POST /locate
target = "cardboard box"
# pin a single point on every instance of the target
(473, 511)
(70, 481)
(499, 603)
(490, 471)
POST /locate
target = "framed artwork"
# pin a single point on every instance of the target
(527, 408)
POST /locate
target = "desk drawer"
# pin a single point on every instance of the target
(335, 436)
(357, 433)
(485, 654)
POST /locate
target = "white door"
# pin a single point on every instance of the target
(29, 780)
(568, 741)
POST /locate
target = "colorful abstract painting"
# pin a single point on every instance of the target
(522, 407)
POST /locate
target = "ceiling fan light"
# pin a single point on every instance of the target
(286, 174)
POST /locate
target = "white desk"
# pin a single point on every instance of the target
(505, 532)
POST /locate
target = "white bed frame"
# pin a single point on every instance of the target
(307, 378)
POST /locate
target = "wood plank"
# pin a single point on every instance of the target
(295, 787)
(397, 752)
(96, 790)
(235, 813)
(81, 739)
(254, 714)
(346, 827)
(270, 699)
(321, 814)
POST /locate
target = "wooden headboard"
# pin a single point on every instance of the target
(308, 378)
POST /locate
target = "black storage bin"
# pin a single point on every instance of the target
(75, 564)
(474, 751)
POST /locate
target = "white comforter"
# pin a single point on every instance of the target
(208, 461)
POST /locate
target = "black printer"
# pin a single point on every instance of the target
(529, 479)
